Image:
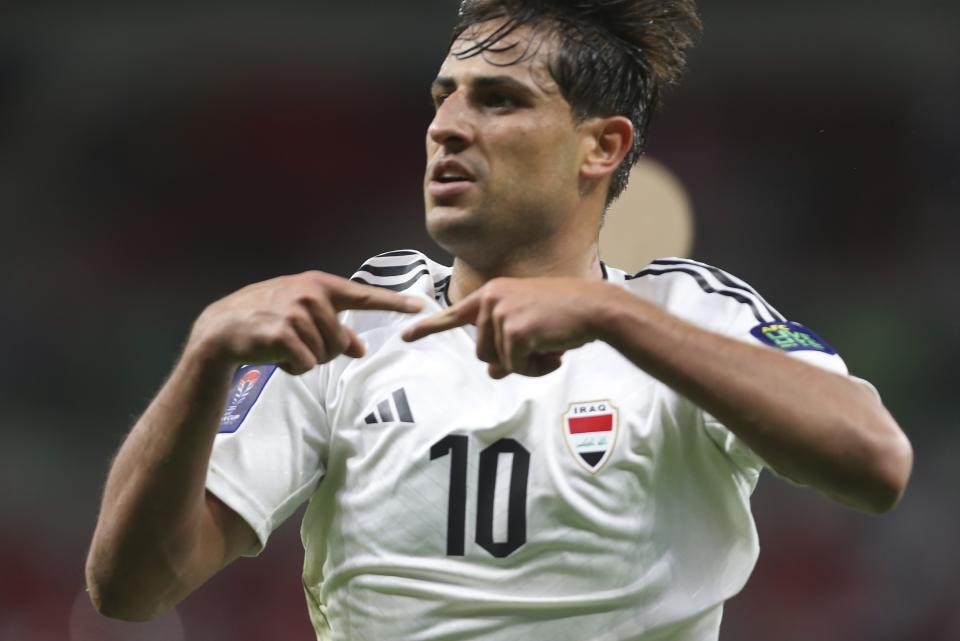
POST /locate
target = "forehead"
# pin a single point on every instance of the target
(524, 54)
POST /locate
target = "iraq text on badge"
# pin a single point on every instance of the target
(591, 430)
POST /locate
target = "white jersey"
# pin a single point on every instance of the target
(591, 504)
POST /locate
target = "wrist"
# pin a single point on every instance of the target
(604, 316)
(623, 317)
(205, 356)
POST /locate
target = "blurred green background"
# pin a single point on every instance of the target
(158, 156)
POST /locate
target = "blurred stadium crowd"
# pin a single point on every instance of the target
(155, 158)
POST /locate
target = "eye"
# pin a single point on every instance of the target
(500, 100)
(438, 99)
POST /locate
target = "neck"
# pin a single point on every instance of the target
(468, 277)
(569, 250)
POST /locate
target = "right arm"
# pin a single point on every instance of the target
(160, 534)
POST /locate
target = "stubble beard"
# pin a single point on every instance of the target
(486, 239)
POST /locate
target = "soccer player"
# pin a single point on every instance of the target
(529, 444)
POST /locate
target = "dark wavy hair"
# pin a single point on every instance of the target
(613, 57)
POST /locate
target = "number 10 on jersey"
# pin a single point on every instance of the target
(457, 446)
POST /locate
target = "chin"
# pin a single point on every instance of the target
(456, 229)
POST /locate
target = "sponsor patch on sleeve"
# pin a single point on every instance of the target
(247, 385)
(790, 337)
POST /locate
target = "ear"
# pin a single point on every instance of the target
(606, 142)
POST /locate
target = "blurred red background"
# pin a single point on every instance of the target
(153, 158)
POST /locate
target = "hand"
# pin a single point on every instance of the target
(290, 321)
(523, 325)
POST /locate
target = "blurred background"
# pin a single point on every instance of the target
(158, 156)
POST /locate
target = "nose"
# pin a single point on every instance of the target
(451, 126)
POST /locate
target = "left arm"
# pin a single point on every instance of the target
(814, 426)
(811, 425)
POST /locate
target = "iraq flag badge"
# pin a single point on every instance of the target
(591, 430)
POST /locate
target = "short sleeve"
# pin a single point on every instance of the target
(270, 452)
(768, 328)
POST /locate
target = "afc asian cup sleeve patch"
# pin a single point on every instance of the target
(247, 385)
(790, 337)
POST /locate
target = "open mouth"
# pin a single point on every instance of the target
(451, 170)
(449, 179)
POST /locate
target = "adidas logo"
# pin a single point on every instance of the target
(392, 408)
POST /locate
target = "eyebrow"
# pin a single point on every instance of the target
(482, 82)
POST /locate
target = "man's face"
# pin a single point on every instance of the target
(502, 150)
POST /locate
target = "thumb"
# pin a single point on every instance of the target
(542, 363)
(355, 348)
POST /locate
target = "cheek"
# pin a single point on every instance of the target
(551, 161)
(537, 155)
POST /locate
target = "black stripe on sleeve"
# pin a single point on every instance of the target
(706, 287)
(724, 279)
(391, 270)
(370, 419)
(399, 287)
(399, 252)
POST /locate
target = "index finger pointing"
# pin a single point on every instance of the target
(353, 295)
(459, 315)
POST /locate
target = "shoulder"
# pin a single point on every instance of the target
(405, 270)
(718, 301)
(699, 292)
